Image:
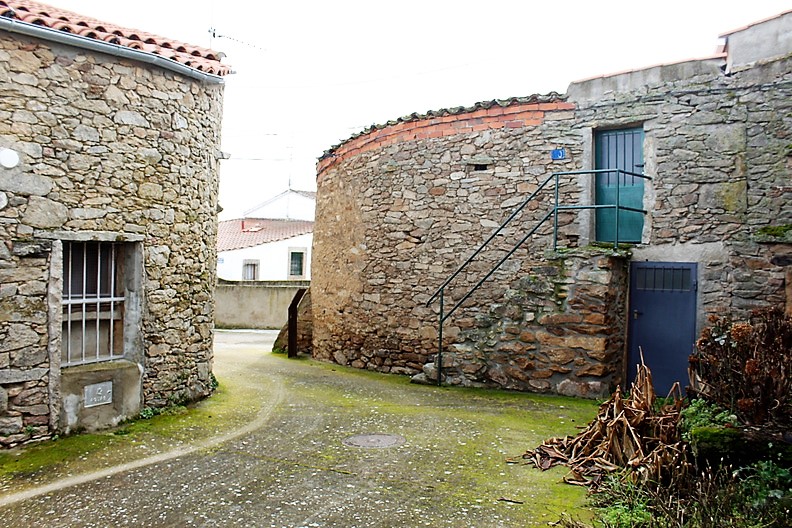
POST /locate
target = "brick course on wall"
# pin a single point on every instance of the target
(492, 115)
(110, 150)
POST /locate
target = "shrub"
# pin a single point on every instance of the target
(700, 413)
(746, 367)
(756, 496)
(711, 431)
(147, 413)
(623, 504)
(767, 487)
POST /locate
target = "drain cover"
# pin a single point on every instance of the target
(374, 440)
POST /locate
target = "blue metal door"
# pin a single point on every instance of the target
(662, 321)
(619, 149)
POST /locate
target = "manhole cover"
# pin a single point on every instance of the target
(374, 440)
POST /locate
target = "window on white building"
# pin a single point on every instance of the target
(250, 270)
(93, 302)
(296, 263)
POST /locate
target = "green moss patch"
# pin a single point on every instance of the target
(774, 233)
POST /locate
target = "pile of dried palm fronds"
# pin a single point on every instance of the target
(629, 433)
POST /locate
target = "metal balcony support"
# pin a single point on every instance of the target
(440, 338)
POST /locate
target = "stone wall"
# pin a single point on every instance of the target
(110, 150)
(400, 206)
(25, 376)
(558, 326)
(718, 149)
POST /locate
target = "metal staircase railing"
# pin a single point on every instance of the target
(555, 177)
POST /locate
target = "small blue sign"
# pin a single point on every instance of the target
(558, 154)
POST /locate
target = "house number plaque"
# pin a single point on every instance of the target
(98, 394)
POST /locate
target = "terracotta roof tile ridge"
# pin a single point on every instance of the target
(550, 97)
(55, 18)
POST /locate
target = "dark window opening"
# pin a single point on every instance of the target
(297, 264)
(668, 279)
(250, 270)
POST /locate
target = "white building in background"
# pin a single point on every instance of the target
(273, 241)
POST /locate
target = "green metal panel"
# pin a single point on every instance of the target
(619, 149)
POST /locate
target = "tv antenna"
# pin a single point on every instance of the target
(214, 34)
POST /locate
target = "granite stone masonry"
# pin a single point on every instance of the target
(114, 196)
(400, 207)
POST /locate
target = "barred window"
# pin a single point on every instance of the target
(296, 264)
(93, 302)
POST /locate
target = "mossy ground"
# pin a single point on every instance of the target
(230, 406)
(458, 440)
(452, 466)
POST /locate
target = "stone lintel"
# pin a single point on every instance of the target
(90, 236)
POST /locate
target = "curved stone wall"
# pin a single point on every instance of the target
(399, 208)
(110, 150)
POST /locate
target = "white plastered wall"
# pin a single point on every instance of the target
(273, 259)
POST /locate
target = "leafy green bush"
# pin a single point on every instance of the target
(148, 412)
(626, 516)
(701, 413)
(767, 486)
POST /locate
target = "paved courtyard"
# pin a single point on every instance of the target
(319, 445)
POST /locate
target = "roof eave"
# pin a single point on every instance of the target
(78, 41)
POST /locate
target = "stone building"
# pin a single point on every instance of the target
(109, 141)
(673, 186)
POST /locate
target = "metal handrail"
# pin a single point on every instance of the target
(491, 237)
(440, 292)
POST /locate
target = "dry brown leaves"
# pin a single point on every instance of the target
(629, 433)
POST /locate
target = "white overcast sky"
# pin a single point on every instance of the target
(312, 73)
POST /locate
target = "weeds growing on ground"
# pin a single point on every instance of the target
(756, 496)
(742, 375)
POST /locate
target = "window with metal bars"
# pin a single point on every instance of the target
(93, 302)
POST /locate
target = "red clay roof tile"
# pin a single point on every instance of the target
(248, 232)
(196, 57)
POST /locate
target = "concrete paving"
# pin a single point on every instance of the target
(307, 458)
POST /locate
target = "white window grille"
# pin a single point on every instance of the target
(93, 302)
(250, 270)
